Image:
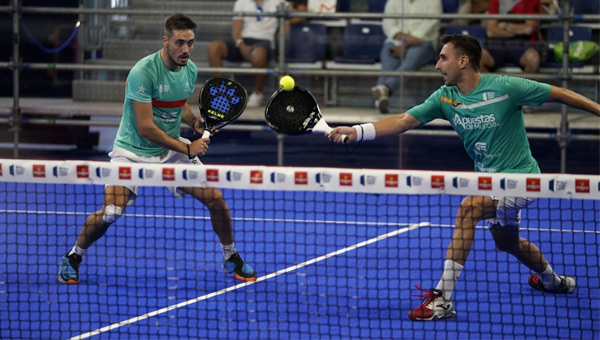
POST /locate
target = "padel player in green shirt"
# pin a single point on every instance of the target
(156, 94)
(486, 112)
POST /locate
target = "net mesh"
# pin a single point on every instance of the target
(337, 254)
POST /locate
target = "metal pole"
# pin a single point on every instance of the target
(282, 65)
(280, 140)
(15, 124)
(563, 134)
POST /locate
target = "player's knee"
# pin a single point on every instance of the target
(470, 208)
(215, 201)
(112, 213)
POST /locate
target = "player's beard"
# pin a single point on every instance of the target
(176, 59)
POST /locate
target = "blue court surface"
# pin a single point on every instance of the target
(330, 266)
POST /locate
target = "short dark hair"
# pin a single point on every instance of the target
(177, 22)
(465, 45)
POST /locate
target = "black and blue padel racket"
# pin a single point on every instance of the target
(221, 101)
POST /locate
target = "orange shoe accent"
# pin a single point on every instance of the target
(241, 278)
(70, 282)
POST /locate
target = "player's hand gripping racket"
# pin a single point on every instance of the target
(295, 112)
(221, 101)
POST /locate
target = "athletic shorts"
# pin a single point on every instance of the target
(234, 54)
(508, 211)
(120, 155)
(508, 51)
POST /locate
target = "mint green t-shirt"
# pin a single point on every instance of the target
(149, 81)
(489, 120)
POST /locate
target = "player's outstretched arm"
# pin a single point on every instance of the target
(392, 125)
(573, 99)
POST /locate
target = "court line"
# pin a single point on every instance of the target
(284, 220)
(242, 285)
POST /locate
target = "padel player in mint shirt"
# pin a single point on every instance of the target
(157, 89)
(486, 112)
(489, 120)
(149, 81)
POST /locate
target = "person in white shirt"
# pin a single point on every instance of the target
(252, 39)
(410, 44)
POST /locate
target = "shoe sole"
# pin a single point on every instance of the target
(245, 279)
(435, 317)
(68, 282)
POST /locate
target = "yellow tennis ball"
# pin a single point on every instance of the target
(287, 83)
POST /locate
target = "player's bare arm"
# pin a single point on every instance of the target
(573, 99)
(190, 119)
(392, 125)
(395, 125)
(149, 130)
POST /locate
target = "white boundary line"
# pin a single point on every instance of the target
(284, 220)
(242, 285)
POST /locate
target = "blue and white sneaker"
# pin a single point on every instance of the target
(68, 273)
(241, 270)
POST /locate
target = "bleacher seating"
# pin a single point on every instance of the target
(586, 6)
(376, 6)
(362, 44)
(555, 35)
(450, 6)
(475, 31)
(306, 43)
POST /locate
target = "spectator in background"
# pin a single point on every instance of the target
(471, 7)
(410, 44)
(513, 41)
(253, 39)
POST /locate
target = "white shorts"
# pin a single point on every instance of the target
(508, 211)
(120, 155)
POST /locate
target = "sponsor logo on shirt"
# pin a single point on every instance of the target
(450, 101)
(481, 122)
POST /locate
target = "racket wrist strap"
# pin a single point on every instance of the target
(364, 132)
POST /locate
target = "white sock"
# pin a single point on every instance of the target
(549, 278)
(451, 273)
(77, 250)
(228, 250)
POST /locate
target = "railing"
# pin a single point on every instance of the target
(87, 16)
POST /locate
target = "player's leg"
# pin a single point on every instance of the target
(437, 302)
(95, 226)
(530, 61)
(258, 55)
(505, 232)
(386, 85)
(217, 52)
(220, 218)
(487, 63)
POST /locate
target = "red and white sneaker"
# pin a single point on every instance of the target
(567, 284)
(433, 308)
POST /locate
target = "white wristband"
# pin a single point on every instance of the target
(238, 43)
(364, 132)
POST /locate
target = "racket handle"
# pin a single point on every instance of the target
(206, 134)
(344, 139)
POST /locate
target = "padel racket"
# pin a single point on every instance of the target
(221, 101)
(295, 112)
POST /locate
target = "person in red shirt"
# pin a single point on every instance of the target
(513, 41)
